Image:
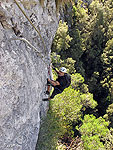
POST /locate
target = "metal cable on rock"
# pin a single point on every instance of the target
(26, 41)
(31, 24)
(23, 39)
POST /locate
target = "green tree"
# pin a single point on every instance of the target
(77, 82)
(50, 131)
(109, 115)
(107, 59)
(109, 140)
(76, 49)
(57, 62)
(70, 104)
(69, 63)
(91, 28)
(62, 38)
(92, 131)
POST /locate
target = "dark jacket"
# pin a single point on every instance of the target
(64, 81)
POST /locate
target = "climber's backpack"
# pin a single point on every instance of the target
(68, 79)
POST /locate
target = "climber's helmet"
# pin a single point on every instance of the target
(63, 69)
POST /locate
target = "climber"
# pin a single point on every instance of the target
(63, 81)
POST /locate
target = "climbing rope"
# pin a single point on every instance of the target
(39, 54)
(37, 30)
(26, 41)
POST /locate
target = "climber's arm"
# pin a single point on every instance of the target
(54, 83)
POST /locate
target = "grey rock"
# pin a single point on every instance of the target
(23, 74)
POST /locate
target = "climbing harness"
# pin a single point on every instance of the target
(37, 30)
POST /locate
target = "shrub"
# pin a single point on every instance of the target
(92, 131)
(68, 105)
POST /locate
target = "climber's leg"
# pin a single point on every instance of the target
(55, 92)
(48, 87)
(48, 90)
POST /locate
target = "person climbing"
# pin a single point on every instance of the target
(63, 81)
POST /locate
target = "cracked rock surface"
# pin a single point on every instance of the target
(23, 74)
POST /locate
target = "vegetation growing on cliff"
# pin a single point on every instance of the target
(85, 109)
(91, 47)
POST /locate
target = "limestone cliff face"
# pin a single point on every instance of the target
(23, 74)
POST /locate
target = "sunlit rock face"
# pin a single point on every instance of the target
(23, 74)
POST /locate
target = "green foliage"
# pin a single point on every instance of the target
(69, 63)
(51, 129)
(109, 140)
(56, 59)
(92, 132)
(109, 115)
(76, 48)
(87, 45)
(99, 45)
(62, 38)
(110, 110)
(65, 109)
(77, 82)
(69, 104)
(91, 27)
(107, 56)
(107, 59)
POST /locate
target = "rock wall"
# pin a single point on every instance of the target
(23, 74)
